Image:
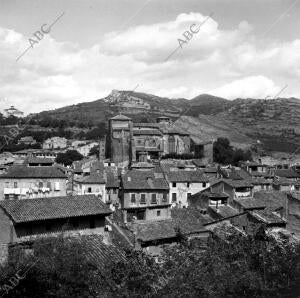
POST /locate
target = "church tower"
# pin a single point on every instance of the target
(120, 141)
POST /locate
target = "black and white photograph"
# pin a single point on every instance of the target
(150, 148)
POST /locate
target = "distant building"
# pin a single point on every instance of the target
(55, 143)
(32, 161)
(129, 142)
(40, 153)
(23, 182)
(12, 111)
(91, 184)
(120, 140)
(85, 149)
(27, 140)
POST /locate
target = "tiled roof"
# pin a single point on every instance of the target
(251, 163)
(189, 220)
(144, 180)
(111, 180)
(33, 172)
(260, 180)
(39, 160)
(154, 230)
(151, 132)
(120, 117)
(284, 181)
(224, 211)
(211, 194)
(168, 128)
(237, 183)
(210, 170)
(286, 173)
(261, 174)
(28, 210)
(148, 125)
(199, 163)
(272, 200)
(142, 165)
(100, 253)
(93, 178)
(186, 176)
(267, 217)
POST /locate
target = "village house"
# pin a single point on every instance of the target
(215, 204)
(252, 166)
(183, 184)
(91, 184)
(40, 153)
(24, 220)
(32, 161)
(12, 111)
(288, 174)
(265, 207)
(236, 189)
(29, 140)
(55, 143)
(144, 195)
(112, 187)
(23, 182)
(85, 149)
(152, 236)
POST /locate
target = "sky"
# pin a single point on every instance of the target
(239, 49)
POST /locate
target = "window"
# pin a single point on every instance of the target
(174, 198)
(158, 213)
(49, 185)
(6, 197)
(165, 198)
(143, 198)
(174, 184)
(204, 184)
(153, 199)
(89, 190)
(40, 184)
(132, 198)
(57, 186)
(16, 197)
(15, 184)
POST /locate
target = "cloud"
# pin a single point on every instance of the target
(229, 63)
(250, 87)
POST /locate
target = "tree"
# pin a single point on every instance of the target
(94, 151)
(58, 267)
(69, 157)
(224, 153)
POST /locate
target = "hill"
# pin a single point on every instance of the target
(275, 122)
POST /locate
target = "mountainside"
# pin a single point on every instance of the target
(274, 122)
